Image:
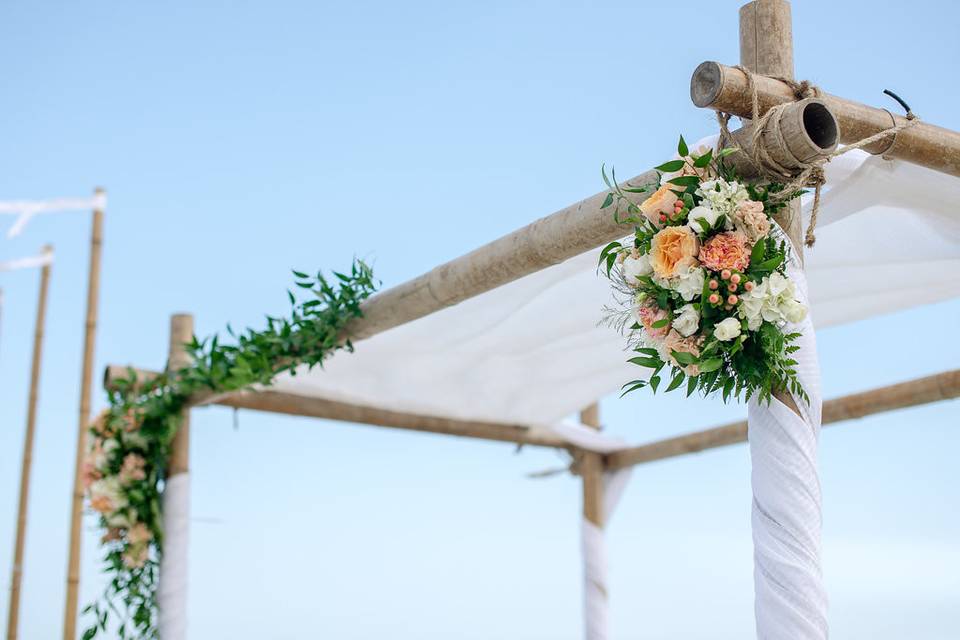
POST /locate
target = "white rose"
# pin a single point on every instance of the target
(704, 213)
(634, 268)
(690, 284)
(687, 321)
(727, 329)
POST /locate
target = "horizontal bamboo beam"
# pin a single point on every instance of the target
(724, 88)
(296, 405)
(942, 386)
(541, 244)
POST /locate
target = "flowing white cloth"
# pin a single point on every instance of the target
(593, 542)
(172, 590)
(27, 209)
(40, 260)
(596, 603)
(790, 599)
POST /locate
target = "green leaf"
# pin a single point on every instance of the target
(648, 351)
(660, 324)
(703, 224)
(703, 160)
(300, 275)
(691, 385)
(646, 362)
(606, 202)
(726, 151)
(668, 167)
(676, 382)
(711, 365)
(683, 357)
(682, 148)
(685, 181)
(759, 250)
(654, 383)
(633, 386)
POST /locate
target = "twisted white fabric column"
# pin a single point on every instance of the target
(790, 600)
(172, 589)
(596, 603)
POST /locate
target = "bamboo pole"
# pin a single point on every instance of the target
(591, 471)
(86, 383)
(13, 613)
(291, 404)
(172, 587)
(724, 88)
(935, 388)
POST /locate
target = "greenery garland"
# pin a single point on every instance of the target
(126, 464)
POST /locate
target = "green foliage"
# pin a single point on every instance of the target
(144, 417)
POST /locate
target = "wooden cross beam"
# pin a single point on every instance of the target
(935, 388)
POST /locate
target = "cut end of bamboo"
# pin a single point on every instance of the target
(706, 83)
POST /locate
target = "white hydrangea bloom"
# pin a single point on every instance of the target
(722, 196)
(773, 299)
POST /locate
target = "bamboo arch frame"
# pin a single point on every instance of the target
(567, 233)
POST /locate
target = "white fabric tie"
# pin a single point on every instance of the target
(174, 570)
(790, 599)
(27, 209)
(40, 260)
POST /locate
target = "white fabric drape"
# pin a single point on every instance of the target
(790, 602)
(172, 591)
(593, 543)
(40, 260)
(27, 209)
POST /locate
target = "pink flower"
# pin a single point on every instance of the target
(750, 219)
(113, 533)
(139, 534)
(650, 314)
(691, 345)
(90, 474)
(132, 469)
(135, 557)
(728, 250)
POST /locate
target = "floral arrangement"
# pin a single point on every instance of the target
(129, 443)
(702, 282)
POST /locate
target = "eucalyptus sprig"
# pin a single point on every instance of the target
(143, 417)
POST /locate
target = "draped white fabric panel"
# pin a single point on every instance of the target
(790, 600)
(532, 351)
(40, 260)
(172, 592)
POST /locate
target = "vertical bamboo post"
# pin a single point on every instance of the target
(591, 470)
(595, 590)
(13, 614)
(766, 47)
(86, 378)
(172, 595)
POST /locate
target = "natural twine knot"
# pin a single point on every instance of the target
(810, 174)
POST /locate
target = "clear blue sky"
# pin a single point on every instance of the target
(240, 139)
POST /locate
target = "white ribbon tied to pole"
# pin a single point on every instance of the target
(25, 210)
(790, 599)
(40, 260)
(593, 541)
(172, 592)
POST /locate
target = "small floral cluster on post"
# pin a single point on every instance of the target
(703, 280)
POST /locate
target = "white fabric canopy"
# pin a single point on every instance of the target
(532, 352)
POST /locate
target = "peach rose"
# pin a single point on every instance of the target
(691, 345)
(660, 202)
(674, 251)
(90, 474)
(648, 315)
(750, 219)
(113, 533)
(728, 250)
